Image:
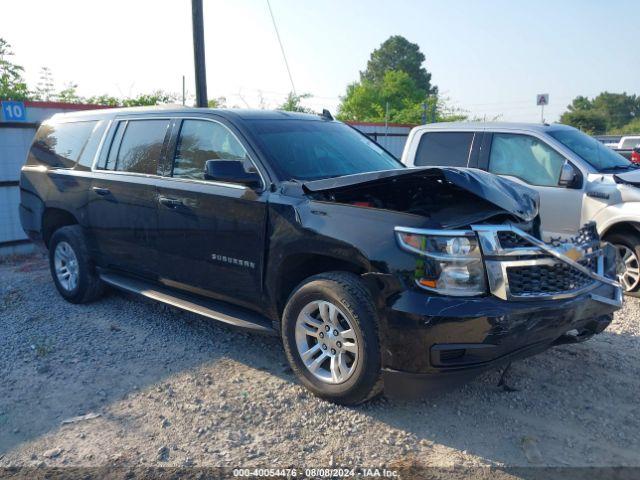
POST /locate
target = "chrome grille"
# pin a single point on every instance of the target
(522, 267)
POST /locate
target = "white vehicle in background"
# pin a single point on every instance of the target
(578, 178)
(626, 146)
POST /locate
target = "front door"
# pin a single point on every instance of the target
(212, 234)
(530, 161)
(122, 207)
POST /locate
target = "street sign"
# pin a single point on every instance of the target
(542, 99)
(13, 111)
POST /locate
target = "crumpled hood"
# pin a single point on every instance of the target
(505, 194)
(630, 178)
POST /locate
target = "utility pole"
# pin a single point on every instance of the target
(386, 120)
(198, 53)
(183, 92)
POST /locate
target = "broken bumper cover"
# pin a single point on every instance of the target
(436, 343)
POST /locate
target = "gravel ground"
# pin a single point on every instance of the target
(125, 381)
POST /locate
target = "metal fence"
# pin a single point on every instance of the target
(392, 136)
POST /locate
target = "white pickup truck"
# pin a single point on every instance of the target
(578, 178)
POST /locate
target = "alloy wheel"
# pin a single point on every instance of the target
(629, 277)
(65, 262)
(326, 342)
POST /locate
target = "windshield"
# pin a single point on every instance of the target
(601, 157)
(311, 150)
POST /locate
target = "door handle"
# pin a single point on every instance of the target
(101, 191)
(170, 202)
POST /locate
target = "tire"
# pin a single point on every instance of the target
(628, 243)
(67, 249)
(357, 376)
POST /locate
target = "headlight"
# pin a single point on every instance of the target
(449, 262)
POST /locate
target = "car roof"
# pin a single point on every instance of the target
(538, 127)
(229, 113)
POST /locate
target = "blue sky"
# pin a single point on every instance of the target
(487, 57)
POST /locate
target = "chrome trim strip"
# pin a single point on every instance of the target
(96, 157)
(436, 232)
(616, 302)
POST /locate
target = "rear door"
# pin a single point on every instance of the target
(212, 234)
(123, 217)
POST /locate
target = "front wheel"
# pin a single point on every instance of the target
(330, 337)
(628, 246)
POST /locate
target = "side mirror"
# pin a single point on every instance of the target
(569, 177)
(231, 171)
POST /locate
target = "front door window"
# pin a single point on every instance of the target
(526, 158)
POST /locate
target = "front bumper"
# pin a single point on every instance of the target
(434, 343)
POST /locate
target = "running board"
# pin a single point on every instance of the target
(217, 310)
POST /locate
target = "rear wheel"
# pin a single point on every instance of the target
(628, 246)
(71, 268)
(330, 337)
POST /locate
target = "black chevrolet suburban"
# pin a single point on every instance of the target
(374, 275)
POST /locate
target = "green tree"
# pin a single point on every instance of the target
(218, 102)
(12, 84)
(69, 94)
(589, 121)
(367, 101)
(45, 89)
(607, 112)
(631, 128)
(395, 86)
(292, 103)
(398, 53)
(147, 99)
(104, 100)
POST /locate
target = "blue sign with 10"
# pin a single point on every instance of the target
(13, 111)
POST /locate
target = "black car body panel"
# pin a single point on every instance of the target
(251, 247)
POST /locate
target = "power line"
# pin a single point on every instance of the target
(284, 55)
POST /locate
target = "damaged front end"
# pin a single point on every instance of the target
(479, 234)
(516, 265)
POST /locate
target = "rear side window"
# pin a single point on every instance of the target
(448, 149)
(137, 146)
(60, 144)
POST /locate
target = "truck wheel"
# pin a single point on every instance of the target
(73, 272)
(329, 332)
(629, 247)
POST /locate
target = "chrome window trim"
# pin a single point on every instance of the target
(100, 145)
(171, 177)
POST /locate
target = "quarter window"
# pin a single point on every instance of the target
(526, 158)
(140, 148)
(201, 140)
(60, 144)
(449, 149)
